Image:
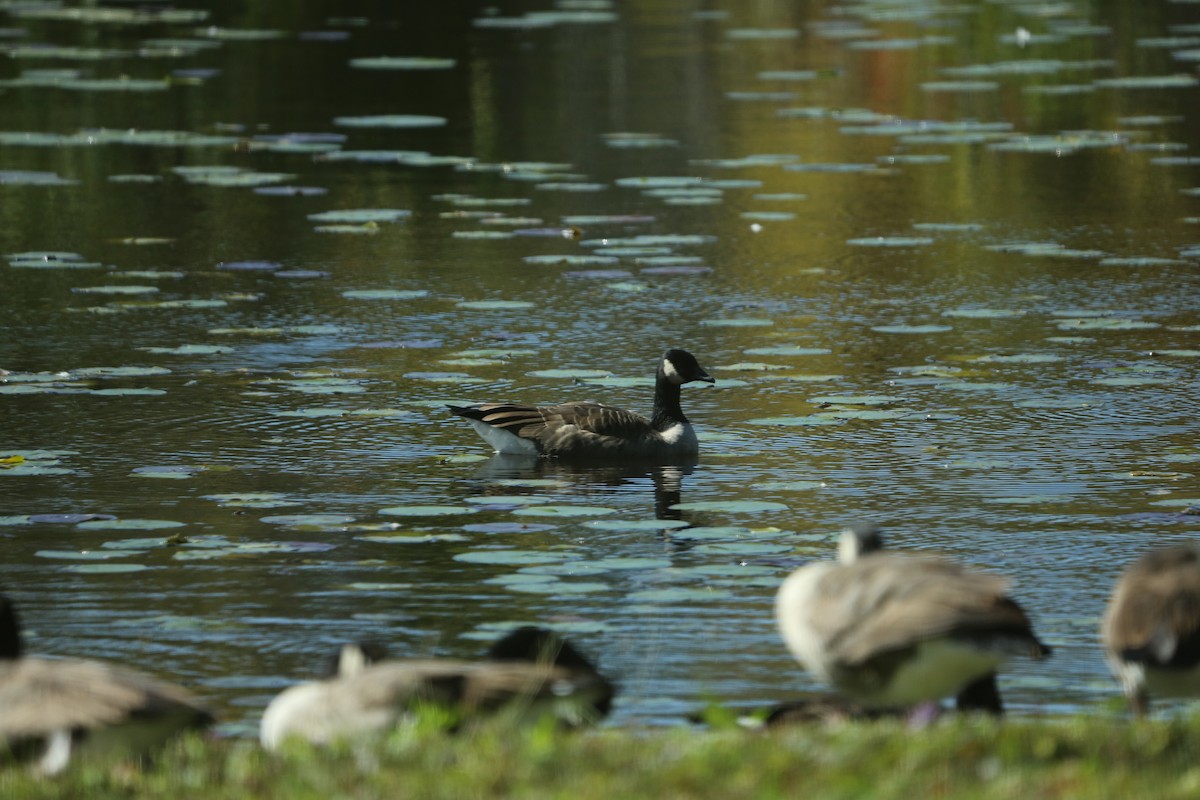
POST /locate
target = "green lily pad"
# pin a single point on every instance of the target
(891, 241)
(385, 294)
(391, 121)
(564, 511)
(737, 322)
(511, 557)
(128, 524)
(788, 350)
(570, 373)
(635, 524)
(361, 215)
(119, 289)
(495, 305)
(411, 538)
(251, 500)
(426, 511)
(795, 422)
(731, 506)
(308, 520)
(106, 568)
(403, 63)
(916, 329)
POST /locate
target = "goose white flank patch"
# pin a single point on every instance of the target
(890, 630)
(531, 672)
(1151, 628)
(53, 711)
(595, 430)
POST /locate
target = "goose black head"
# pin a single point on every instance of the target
(539, 645)
(680, 366)
(858, 540)
(10, 630)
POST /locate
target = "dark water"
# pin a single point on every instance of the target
(987, 289)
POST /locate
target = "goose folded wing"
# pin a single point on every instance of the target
(39, 696)
(532, 422)
(895, 603)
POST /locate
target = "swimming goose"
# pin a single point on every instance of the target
(54, 709)
(595, 430)
(891, 630)
(1151, 629)
(531, 671)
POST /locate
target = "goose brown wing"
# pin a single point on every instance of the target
(39, 696)
(1155, 611)
(893, 602)
(534, 422)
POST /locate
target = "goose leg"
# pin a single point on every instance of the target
(981, 695)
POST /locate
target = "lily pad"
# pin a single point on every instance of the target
(426, 511)
(564, 511)
(731, 506)
(510, 557)
(128, 524)
(385, 294)
(391, 121)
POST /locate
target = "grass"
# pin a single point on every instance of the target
(1094, 756)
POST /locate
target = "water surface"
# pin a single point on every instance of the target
(941, 259)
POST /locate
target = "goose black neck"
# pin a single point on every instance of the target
(10, 631)
(666, 403)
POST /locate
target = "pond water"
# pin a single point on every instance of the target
(940, 258)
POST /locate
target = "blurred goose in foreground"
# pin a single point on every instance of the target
(595, 430)
(52, 710)
(1151, 629)
(891, 630)
(531, 672)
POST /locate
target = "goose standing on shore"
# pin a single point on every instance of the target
(595, 430)
(531, 672)
(53, 710)
(1151, 629)
(894, 631)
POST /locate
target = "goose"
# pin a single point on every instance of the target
(1151, 628)
(531, 671)
(594, 430)
(54, 710)
(891, 630)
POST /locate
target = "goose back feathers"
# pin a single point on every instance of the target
(1151, 627)
(595, 430)
(52, 710)
(529, 672)
(894, 630)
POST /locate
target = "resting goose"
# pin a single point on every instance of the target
(595, 430)
(54, 709)
(529, 671)
(1151, 629)
(891, 630)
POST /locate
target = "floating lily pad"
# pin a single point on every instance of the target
(915, 329)
(190, 350)
(414, 538)
(426, 511)
(128, 524)
(983, 313)
(635, 524)
(106, 568)
(513, 557)
(171, 473)
(508, 527)
(391, 121)
(738, 322)
(731, 506)
(251, 500)
(795, 422)
(788, 350)
(308, 520)
(403, 63)
(385, 294)
(495, 305)
(361, 215)
(564, 511)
